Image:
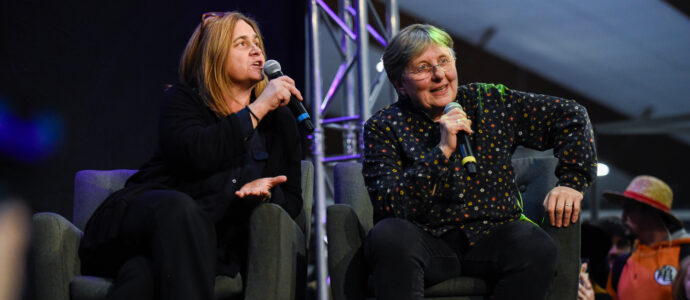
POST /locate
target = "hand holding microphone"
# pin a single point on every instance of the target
(454, 129)
(272, 70)
(279, 92)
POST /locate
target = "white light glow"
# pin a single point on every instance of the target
(602, 169)
(379, 66)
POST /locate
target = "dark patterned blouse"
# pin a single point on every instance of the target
(407, 175)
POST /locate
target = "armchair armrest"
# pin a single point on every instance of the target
(55, 253)
(346, 264)
(276, 267)
(568, 266)
(534, 178)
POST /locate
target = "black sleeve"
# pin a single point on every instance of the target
(289, 194)
(561, 124)
(193, 139)
(542, 122)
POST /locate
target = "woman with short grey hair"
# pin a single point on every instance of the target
(411, 42)
(435, 219)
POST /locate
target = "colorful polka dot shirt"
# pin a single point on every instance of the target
(407, 175)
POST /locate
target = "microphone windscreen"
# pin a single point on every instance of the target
(451, 106)
(271, 66)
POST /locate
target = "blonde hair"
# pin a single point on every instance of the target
(203, 60)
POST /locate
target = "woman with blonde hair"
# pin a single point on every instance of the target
(226, 144)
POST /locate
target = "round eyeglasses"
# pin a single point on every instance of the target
(425, 70)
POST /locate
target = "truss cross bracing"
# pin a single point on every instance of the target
(350, 30)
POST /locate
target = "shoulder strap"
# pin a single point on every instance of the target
(617, 269)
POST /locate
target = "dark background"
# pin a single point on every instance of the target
(82, 81)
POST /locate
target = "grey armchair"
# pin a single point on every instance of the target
(351, 218)
(277, 246)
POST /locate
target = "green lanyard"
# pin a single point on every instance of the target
(522, 212)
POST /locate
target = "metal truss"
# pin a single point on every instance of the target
(350, 31)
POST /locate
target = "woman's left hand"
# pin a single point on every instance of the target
(261, 187)
(562, 204)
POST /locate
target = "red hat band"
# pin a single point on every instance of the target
(649, 201)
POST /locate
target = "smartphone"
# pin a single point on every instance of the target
(584, 265)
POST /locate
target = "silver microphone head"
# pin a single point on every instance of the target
(450, 106)
(271, 66)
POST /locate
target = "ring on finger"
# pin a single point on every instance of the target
(568, 205)
(457, 121)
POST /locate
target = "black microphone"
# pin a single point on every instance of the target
(468, 160)
(272, 70)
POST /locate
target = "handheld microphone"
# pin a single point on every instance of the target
(468, 160)
(272, 70)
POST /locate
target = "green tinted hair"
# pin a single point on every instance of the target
(410, 43)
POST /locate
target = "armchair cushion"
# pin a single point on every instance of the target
(89, 287)
(95, 288)
(466, 286)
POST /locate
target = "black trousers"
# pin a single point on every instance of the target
(172, 245)
(517, 259)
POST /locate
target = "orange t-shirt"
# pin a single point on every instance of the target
(649, 272)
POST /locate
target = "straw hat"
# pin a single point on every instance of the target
(650, 191)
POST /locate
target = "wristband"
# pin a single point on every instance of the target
(253, 115)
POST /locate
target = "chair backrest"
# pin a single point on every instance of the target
(534, 178)
(349, 189)
(304, 218)
(91, 187)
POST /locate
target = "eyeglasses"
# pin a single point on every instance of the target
(207, 15)
(425, 70)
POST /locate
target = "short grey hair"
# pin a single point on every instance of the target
(408, 44)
